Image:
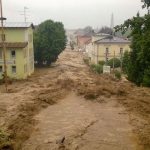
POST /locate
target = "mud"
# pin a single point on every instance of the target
(92, 112)
(86, 125)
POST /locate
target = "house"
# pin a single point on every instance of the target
(107, 48)
(90, 45)
(82, 41)
(19, 50)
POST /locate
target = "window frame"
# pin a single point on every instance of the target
(12, 55)
(107, 50)
(1, 54)
(121, 50)
(1, 69)
(13, 68)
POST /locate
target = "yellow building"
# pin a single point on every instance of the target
(90, 46)
(105, 48)
(19, 50)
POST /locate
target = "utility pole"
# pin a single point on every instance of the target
(3, 44)
(112, 21)
(25, 13)
(121, 58)
(114, 63)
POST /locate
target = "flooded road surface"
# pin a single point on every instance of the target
(85, 125)
(68, 107)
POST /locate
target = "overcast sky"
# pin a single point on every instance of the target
(73, 13)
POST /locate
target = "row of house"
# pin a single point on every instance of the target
(103, 47)
(19, 50)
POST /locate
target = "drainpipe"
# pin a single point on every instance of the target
(97, 53)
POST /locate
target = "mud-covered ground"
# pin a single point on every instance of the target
(69, 107)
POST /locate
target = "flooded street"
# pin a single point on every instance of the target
(68, 107)
(85, 125)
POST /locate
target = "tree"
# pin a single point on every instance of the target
(126, 62)
(49, 41)
(146, 3)
(106, 30)
(138, 67)
(116, 62)
(88, 30)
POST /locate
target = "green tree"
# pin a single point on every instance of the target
(116, 62)
(126, 62)
(49, 41)
(146, 3)
(139, 58)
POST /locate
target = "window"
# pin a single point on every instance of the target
(121, 50)
(0, 54)
(106, 54)
(13, 69)
(107, 50)
(13, 54)
(1, 69)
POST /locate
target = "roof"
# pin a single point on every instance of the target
(15, 44)
(112, 39)
(102, 34)
(18, 25)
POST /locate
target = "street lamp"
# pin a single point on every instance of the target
(3, 43)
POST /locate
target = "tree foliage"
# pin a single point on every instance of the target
(49, 41)
(125, 62)
(106, 30)
(146, 3)
(88, 30)
(116, 62)
(138, 66)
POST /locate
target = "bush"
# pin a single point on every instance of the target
(101, 62)
(146, 79)
(117, 74)
(117, 62)
(97, 68)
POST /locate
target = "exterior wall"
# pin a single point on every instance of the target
(82, 40)
(15, 34)
(89, 48)
(94, 54)
(30, 52)
(24, 60)
(18, 61)
(99, 51)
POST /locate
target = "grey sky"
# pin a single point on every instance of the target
(73, 13)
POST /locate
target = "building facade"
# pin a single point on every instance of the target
(90, 45)
(107, 48)
(19, 50)
(82, 41)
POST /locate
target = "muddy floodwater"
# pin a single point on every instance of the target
(69, 107)
(85, 125)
